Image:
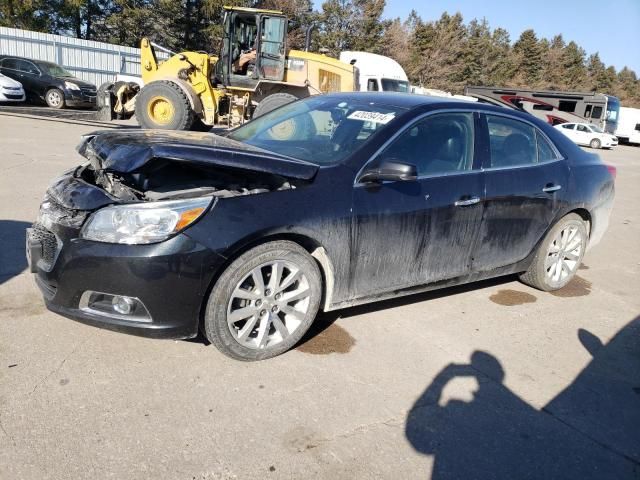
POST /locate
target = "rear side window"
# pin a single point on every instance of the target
(10, 63)
(582, 128)
(513, 142)
(568, 126)
(440, 143)
(546, 153)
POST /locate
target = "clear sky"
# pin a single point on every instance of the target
(610, 27)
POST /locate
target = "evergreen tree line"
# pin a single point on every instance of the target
(446, 53)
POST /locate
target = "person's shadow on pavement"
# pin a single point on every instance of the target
(497, 435)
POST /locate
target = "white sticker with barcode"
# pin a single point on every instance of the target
(375, 117)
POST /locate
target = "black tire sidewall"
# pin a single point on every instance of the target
(184, 115)
(273, 102)
(216, 328)
(46, 98)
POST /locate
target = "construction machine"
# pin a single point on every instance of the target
(252, 75)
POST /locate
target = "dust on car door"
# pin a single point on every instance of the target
(416, 232)
(526, 180)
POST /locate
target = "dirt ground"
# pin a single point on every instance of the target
(490, 380)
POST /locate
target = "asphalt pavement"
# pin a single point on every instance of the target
(490, 380)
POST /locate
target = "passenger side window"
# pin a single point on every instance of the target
(582, 128)
(372, 85)
(568, 126)
(27, 67)
(512, 142)
(440, 143)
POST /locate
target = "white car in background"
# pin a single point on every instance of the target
(10, 90)
(588, 135)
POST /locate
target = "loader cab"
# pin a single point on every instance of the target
(253, 47)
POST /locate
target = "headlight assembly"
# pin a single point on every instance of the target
(142, 223)
(72, 86)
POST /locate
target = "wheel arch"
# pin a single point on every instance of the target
(304, 240)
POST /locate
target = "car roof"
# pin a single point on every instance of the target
(411, 101)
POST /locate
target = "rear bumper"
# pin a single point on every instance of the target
(170, 278)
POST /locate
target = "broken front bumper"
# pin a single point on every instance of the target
(170, 278)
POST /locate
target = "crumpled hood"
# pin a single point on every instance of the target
(128, 151)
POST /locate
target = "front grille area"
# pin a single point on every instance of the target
(90, 91)
(49, 244)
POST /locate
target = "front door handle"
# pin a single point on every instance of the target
(551, 188)
(467, 201)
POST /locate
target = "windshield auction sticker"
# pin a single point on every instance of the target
(374, 117)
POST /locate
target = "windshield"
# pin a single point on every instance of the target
(390, 85)
(321, 130)
(613, 108)
(54, 70)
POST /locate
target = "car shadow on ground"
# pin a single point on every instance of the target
(13, 260)
(588, 431)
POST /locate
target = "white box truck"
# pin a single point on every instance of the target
(628, 129)
(377, 72)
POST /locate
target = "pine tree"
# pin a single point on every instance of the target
(529, 54)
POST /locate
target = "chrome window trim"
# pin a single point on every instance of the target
(419, 118)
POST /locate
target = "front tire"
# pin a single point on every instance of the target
(55, 98)
(264, 302)
(595, 143)
(163, 105)
(559, 255)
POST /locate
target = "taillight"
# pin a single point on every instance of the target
(612, 170)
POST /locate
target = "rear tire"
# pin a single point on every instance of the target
(55, 98)
(559, 255)
(251, 317)
(272, 102)
(163, 105)
(595, 143)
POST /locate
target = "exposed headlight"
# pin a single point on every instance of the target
(71, 86)
(143, 222)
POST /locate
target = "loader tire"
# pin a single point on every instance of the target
(272, 102)
(163, 105)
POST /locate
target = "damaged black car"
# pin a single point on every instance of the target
(325, 203)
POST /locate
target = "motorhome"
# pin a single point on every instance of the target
(628, 130)
(555, 107)
(377, 72)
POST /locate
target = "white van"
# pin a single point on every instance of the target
(377, 72)
(628, 129)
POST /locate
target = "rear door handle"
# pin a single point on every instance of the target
(551, 188)
(467, 201)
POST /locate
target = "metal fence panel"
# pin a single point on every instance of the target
(95, 62)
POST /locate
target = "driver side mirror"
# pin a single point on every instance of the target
(391, 170)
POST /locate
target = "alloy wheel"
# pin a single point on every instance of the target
(268, 304)
(564, 254)
(54, 98)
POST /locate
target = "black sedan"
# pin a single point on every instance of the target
(49, 82)
(325, 203)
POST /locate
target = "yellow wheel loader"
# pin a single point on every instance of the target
(252, 75)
